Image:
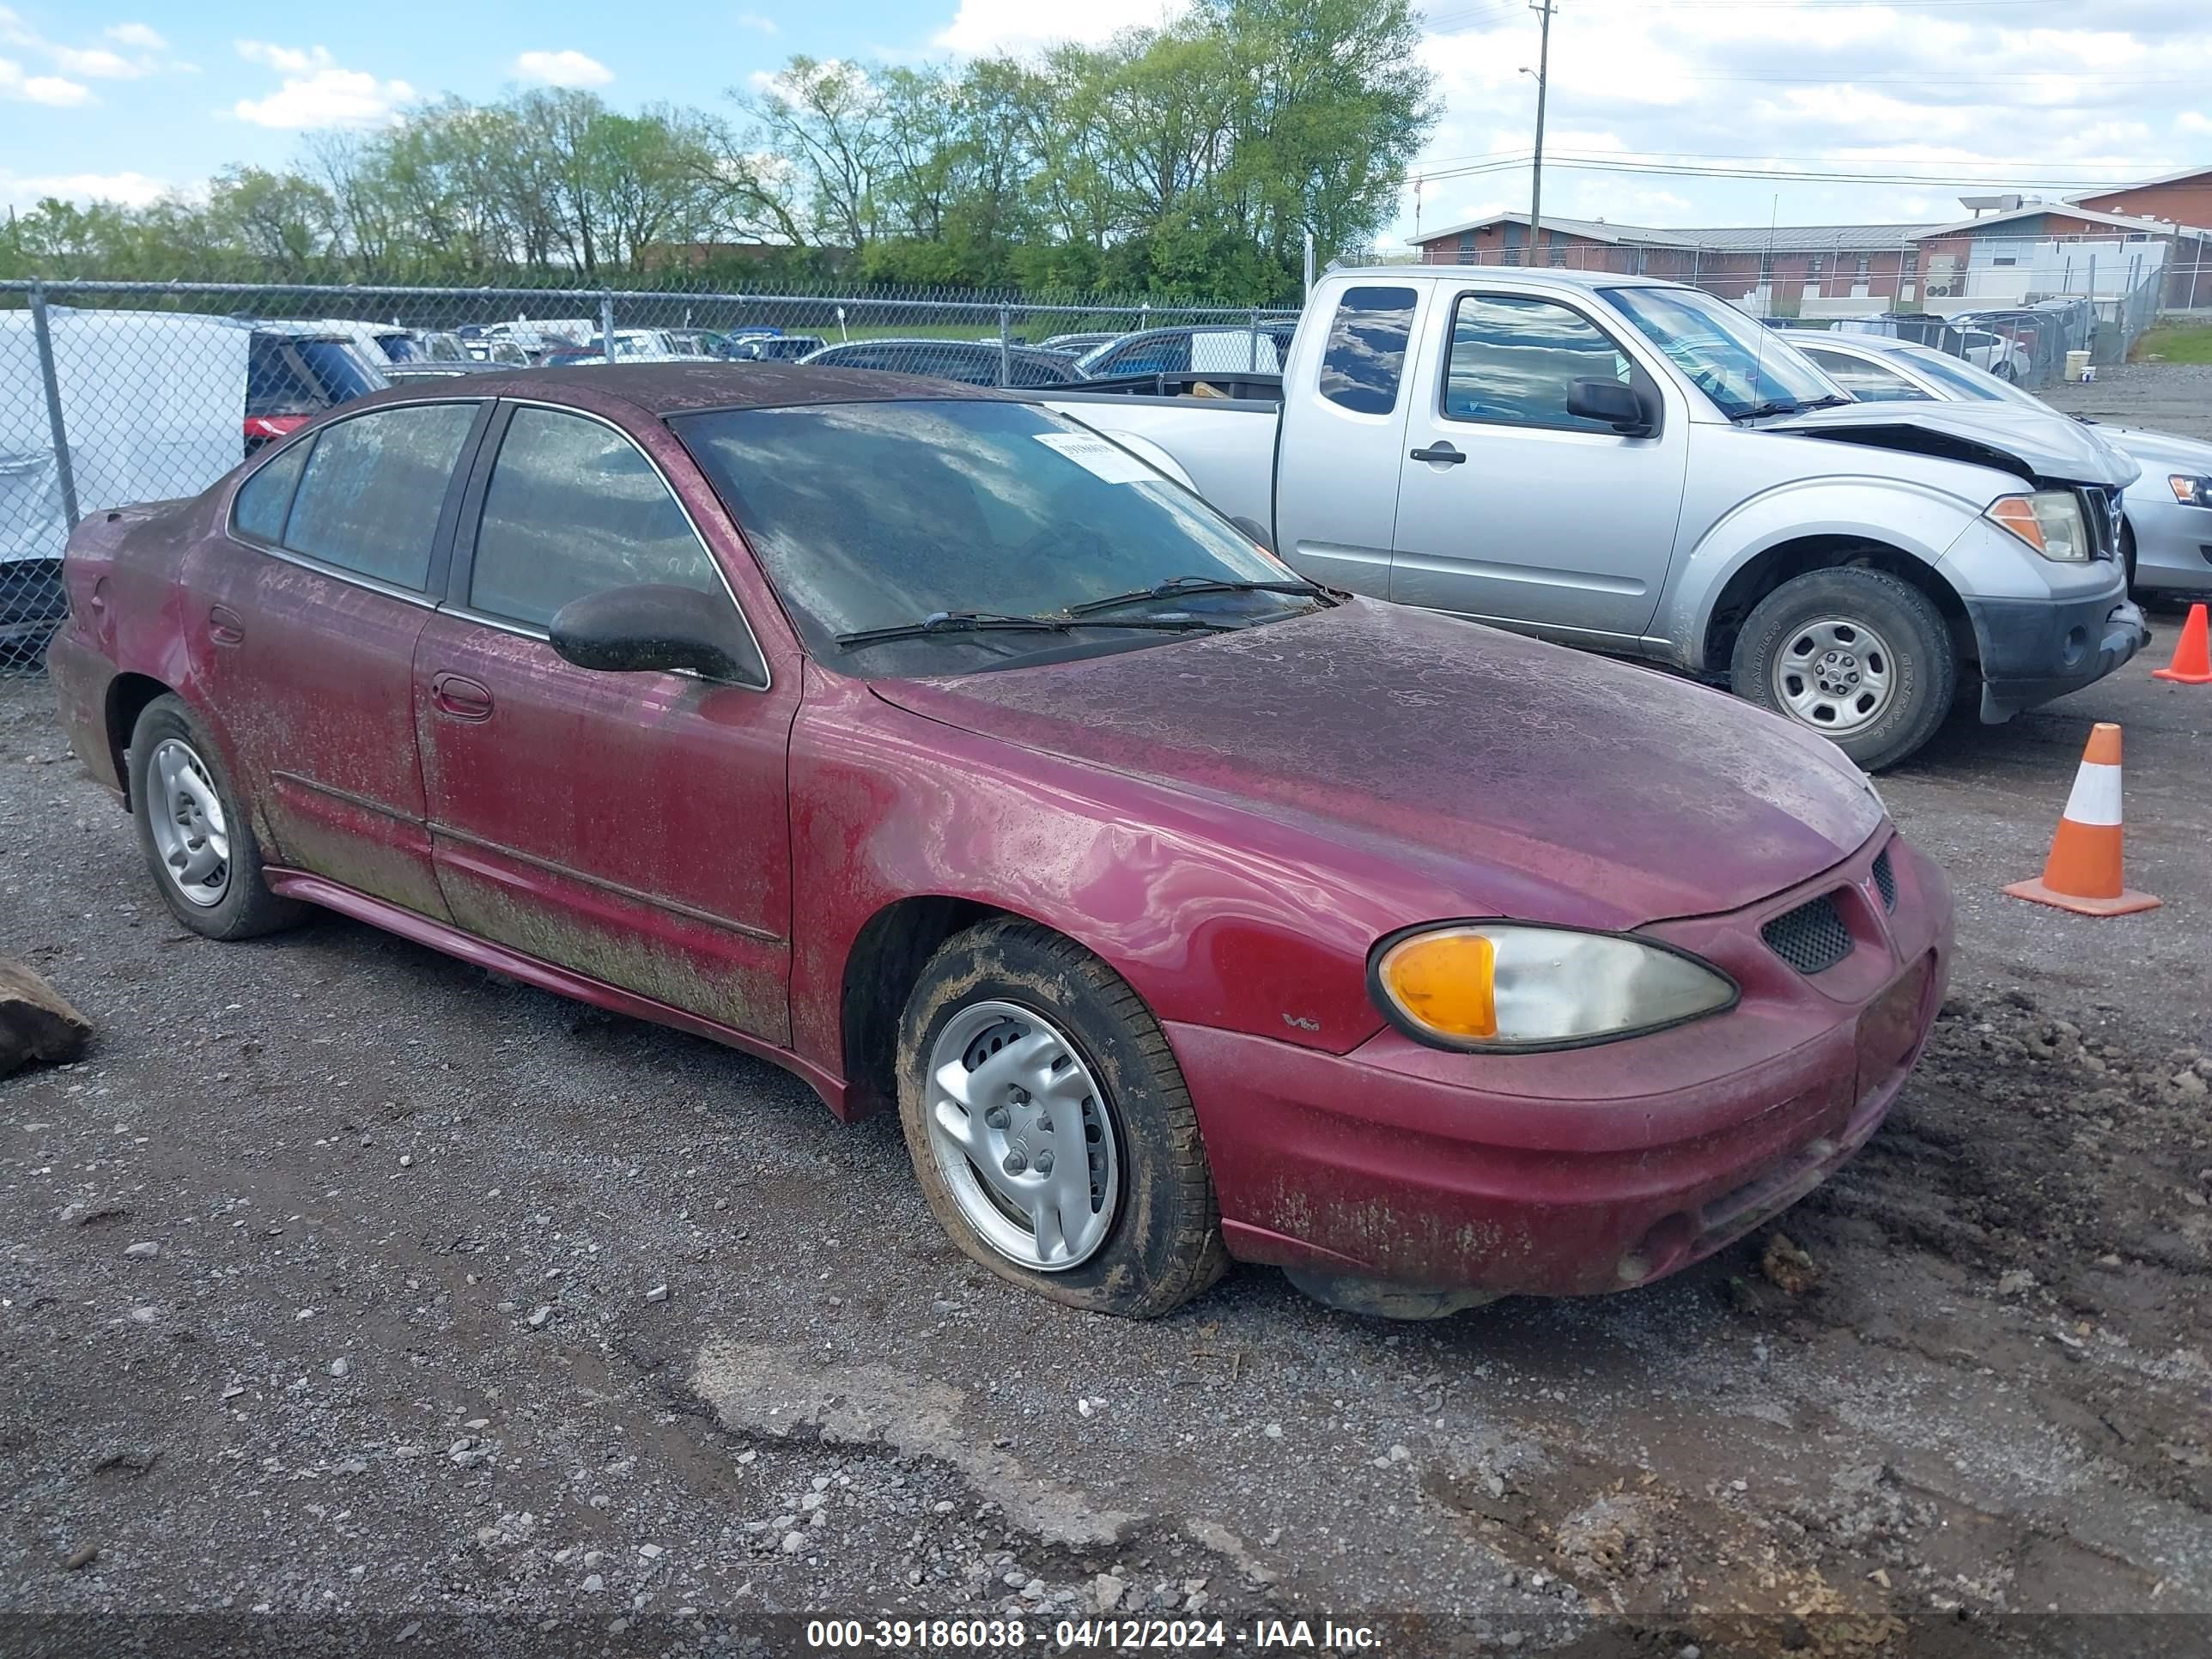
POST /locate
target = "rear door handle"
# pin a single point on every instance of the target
(460, 697)
(1441, 454)
(225, 627)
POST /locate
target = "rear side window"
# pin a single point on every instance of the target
(572, 508)
(369, 500)
(1366, 358)
(266, 497)
(1514, 358)
(1869, 383)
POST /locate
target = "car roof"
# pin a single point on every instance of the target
(698, 383)
(1531, 275)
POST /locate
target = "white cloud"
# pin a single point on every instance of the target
(25, 190)
(562, 69)
(48, 90)
(90, 62)
(990, 27)
(136, 36)
(753, 19)
(315, 92)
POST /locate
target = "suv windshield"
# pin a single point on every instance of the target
(1743, 366)
(881, 515)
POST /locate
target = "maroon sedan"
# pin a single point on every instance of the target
(925, 743)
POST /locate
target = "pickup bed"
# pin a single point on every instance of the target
(1636, 467)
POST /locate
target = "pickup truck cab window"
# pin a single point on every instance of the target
(372, 487)
(572, 508)
(1365, 357)
(1515, 357)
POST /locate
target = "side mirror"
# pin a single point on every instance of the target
(657, 626)
(1621, 407)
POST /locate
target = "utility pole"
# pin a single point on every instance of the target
(1543, 9)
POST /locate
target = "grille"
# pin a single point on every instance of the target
(1811, 938)
(1885, 878)
(2102, 510)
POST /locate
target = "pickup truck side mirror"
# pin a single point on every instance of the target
(657, 626)
(1621, 407)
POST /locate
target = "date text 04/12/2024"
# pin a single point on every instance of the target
(985, 1636)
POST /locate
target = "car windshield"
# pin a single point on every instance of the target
(1968, 381)
(875, 515)
(1743, 366)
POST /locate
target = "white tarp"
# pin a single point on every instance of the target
(152, 403)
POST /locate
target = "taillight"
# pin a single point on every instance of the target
(265, 427)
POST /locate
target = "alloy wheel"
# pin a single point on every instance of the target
(185, 811)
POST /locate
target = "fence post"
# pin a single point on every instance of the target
(1252, 344)
(64, 473)
(1005, 345)
(607, 324)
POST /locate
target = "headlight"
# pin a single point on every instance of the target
(2050, 521)
(1507, 987)
(2191, 492)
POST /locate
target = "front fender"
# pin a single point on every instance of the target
(1916, 520)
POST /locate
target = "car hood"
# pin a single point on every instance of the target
(2159, 451)
(2039, 445)
(1528, 780)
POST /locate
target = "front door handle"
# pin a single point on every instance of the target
(460, 698)
(1443, 454)
(225, 627)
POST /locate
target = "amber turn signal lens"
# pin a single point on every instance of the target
(1446, 981)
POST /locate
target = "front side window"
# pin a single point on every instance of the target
(1743, 366)
(370, 499)
(1365, 356)
(1514, 358)
(1869, 383)
(572, 508)
(872, 515)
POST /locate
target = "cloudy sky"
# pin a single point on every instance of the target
(1919, 101)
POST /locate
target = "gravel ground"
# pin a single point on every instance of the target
(341, 1279)
(2164, 396)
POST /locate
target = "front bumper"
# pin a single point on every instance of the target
(2033, 651)
(1588, 1169)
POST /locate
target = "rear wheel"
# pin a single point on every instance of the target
(194, 831)
(1050, 1126)
(1861, 657)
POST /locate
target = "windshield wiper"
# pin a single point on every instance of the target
(1834, 400)
(1773, 406)
(974, 621)
(1174, 586)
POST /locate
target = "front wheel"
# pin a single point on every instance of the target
(1049, 1125)
(1861, 657)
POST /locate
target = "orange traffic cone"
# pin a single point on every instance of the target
(2192, 655)
(2083, 871)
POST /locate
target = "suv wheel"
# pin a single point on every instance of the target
(1861, 657)
(1050, 1126)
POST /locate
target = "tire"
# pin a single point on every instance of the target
(1086, 1073)
(1854, 623)
(174, 825)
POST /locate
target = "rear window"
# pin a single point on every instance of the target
(369, 500)
(1366, 358)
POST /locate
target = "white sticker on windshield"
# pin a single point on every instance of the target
(1095, 455)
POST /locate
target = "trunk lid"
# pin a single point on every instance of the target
(1531, 780)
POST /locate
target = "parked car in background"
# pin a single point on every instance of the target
(770, 347)
(2166, 530)
(1189, 350)
(1637, 466)
(1080, 343)
(917, 739)
(498, 350)
(974, 362)
(297, 370)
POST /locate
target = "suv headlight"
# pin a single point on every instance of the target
(2191, 491)
(2050, 521)
(1505, 987)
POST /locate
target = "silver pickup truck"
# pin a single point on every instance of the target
(1638, 467)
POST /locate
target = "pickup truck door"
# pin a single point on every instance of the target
(1343, 435)
(1510, 508)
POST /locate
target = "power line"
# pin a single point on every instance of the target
(1594, 163)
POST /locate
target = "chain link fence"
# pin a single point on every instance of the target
(113, 393)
